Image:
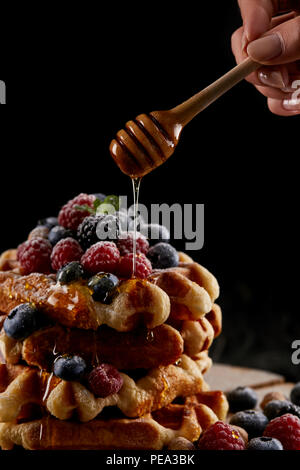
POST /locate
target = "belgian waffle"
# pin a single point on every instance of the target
(137, 302)
(24, 385)
(198, 335)
(186, 292)
(137, 349)
(156, 332)
(192, 289)
(152, 431)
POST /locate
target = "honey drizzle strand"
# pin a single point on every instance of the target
(136, 182)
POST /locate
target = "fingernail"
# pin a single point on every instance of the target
(272, 78)
(291, 105)
(287, 89)
(266, 48)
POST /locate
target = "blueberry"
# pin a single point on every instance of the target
(57, 233)
(295, 394)
(69, 367)
(264, 443)
(254, 422)
(276, 408)
(100, 196)
(102, 286)
(155, 233)
(22, 321)
(70, 272)
(49, 222)
(242, 398)
(162, 256)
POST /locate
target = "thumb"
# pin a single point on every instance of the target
(280, 45)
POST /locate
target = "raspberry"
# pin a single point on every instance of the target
(286, 429)
(97, 227)
(34, 256)
(143, 267)
(69, 216)
(103, 256)
(221, 436)
(105, 380)
(125, 243)
(64, 252)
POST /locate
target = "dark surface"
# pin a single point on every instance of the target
(73, 86)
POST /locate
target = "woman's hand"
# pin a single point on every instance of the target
(275, 42)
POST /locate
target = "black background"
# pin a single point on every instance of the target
(81, 73)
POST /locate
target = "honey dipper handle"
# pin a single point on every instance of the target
(186, 111)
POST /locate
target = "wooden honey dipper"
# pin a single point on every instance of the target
(150, 139)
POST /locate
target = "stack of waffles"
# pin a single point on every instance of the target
(156, 333)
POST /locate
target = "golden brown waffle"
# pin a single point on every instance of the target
(21, 386)
(203, 361)
(215, 400)
(154, 431)
(122, 434)
(10, 349)
(184, 258)
(215, 319)
(198, 335)
(191, 289)
(24, 385)
(8, 261)
(137, 302)
(187, 292)
(138, 349)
